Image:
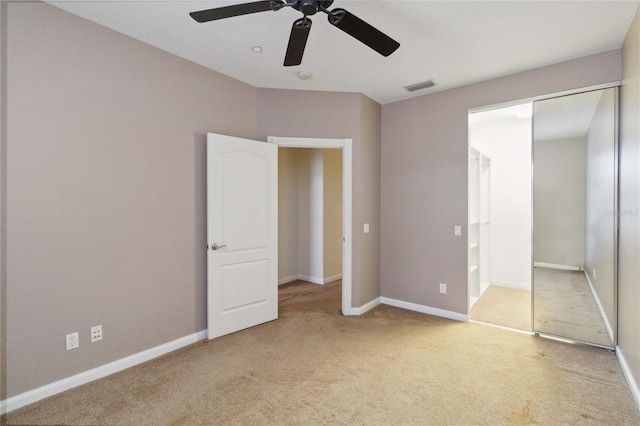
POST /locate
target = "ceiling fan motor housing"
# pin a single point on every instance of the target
(311, 7)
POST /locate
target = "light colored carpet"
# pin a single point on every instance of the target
(508, 307)
(390, 366)
(564, 306)
(302, 295)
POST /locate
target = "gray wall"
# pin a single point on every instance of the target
(294, 113)
(106, 185)
(332, 213)
(629, 244)
(367, 200)
(288, 189)
(600, 220)
(424, 177)
(310, 214)
(559, 201)
(3, 200)
(106, 191)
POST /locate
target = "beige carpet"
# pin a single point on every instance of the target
(508, 307)
(390, 366)
(302, 295)
(564, 306)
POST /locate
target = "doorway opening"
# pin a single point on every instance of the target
(344, 146)
(499, 227)
(310, 228)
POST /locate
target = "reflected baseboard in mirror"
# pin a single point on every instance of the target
(565, 307)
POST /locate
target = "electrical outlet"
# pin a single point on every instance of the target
(96, 333)
(443, 288)
(73, 341)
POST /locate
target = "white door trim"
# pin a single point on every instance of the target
(347, 196)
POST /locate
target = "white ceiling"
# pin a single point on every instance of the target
(453, 42)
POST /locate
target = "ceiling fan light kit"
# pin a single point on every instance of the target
(339, 18)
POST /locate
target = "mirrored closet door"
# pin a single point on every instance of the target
(575, 208)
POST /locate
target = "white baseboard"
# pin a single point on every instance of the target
(511, 284)
(626, 371)
(365, 308)
(332, 278)
(54, 388)
(425, 309)
(313, 280)
(556, 266)
(603, 315)
(285, 280)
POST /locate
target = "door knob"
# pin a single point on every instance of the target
(215, 246)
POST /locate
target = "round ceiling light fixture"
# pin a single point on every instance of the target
(304, 75)
(256, 49)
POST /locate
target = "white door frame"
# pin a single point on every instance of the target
(347, 206)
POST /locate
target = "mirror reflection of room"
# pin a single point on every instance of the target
(500, 216)
(574, 222)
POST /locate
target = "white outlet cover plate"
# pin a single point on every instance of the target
(73, 340)
(96, 333)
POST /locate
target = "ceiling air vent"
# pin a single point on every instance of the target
(420, 86)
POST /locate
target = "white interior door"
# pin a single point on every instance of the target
(242, 233)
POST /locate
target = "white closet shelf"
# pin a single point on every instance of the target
(479, 216)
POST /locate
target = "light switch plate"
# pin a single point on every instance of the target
(457, 230)
(366, 228)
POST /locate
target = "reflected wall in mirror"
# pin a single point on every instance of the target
(574, 215)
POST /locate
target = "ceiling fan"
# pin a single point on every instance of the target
(340, 18)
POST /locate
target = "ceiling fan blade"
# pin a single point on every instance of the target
(297, 41)
(235, 10)
(360, 30)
